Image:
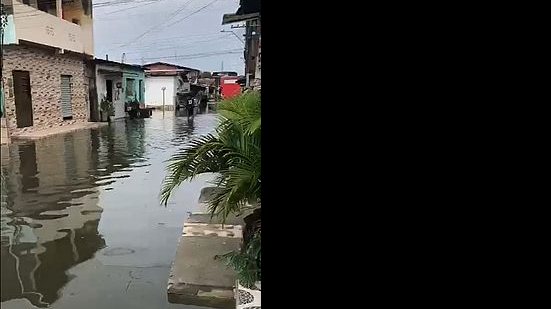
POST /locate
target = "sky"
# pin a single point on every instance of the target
(183, 32)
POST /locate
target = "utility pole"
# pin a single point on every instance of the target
(163, 89)
(222, 66)
(123, 57)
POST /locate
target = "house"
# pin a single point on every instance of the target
(249, 12)
(119, 83)
(161, 75)
(46, 45)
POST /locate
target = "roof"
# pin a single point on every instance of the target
(175, 66)
(234, 18)
(248, 9)
(224, 73)
(248, 6)
(118, 64)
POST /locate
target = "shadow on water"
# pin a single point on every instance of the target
(50, 210)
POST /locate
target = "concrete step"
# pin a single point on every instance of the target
(203, 217)
(196, 278)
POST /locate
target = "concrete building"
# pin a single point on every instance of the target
(44, 76)
(169, 76)
(249, 13)
(119, 83)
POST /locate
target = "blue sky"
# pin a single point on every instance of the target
(185, 32)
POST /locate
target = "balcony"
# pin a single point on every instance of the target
(67, 28)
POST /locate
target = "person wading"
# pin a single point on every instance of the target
(190, 106)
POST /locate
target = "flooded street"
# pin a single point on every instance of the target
(81, 223)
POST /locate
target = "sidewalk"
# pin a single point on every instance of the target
(196, 278)
(58, 130)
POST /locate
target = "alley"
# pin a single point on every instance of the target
(82, 226)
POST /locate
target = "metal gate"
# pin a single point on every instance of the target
(66, 108)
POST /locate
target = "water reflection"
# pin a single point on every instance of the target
(50, 210)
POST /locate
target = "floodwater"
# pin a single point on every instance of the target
(82, 226)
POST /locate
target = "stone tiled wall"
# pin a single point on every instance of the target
(45, 68)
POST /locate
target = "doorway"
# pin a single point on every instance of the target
(23, 99)
(109, 88)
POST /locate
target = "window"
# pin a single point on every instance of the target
(66, 94)
(130, 87)
(48, 6)
(7, 8)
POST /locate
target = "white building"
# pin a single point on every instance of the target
(161, 75)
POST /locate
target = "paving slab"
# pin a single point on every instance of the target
(196, 277)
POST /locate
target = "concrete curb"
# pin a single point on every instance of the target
(37, 135)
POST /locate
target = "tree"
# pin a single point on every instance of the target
(234, 153)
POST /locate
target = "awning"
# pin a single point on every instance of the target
(107, 71)
(234, 18)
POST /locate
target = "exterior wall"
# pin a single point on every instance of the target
(90, 74)
(118, 98)
(36, 26)
(45, 68)
(258, 71)
(9, 31)
(136, 76)
(154, 94)
(75, 10)
(174, 96)
(120, 95)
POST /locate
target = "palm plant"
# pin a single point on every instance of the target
(233, 152)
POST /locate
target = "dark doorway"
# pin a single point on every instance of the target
(23, 101)
(109, 87)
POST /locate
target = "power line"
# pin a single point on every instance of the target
(180, 37)
(130, 8)
(119, 2)
(185, 17)
(153, 47)
(199, 10)
(195, 56)
(31, 13)
(156, 26)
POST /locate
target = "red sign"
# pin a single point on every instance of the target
(229, 87)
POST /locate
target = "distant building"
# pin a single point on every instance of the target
(224, 73)
(169, 76)
(119, 83)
